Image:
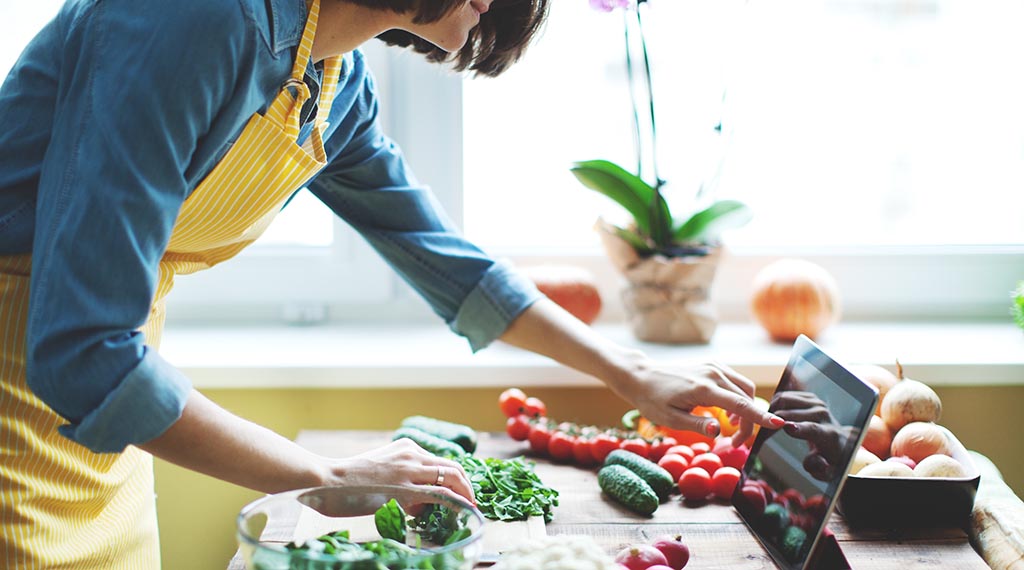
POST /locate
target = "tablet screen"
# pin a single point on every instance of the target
(800, 468)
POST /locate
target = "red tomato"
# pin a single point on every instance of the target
(540, 435)
(602, 445)
(684, 450)
(674, 464)
(535, 408)
(724, 482)
(731, 456)
(583, 452)
(511, 402)
(560, 446)
(636, 445)
(660, 446)
(753, 496)
(518, 427)
(695, 484)
(700, 447)
(709, 461)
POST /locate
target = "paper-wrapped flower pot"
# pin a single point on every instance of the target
(667, 299)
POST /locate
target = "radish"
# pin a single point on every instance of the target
(640, 557)
(676, 553)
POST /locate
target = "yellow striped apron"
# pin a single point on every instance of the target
(62, 506)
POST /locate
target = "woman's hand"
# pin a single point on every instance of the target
(406, 464)
(667, 395)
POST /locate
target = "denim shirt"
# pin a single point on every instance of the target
(111, 117)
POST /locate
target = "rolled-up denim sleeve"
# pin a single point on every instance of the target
(134, 92)
(370, 186)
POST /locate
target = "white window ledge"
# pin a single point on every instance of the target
(428, 355)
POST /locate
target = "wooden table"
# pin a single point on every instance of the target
(714, 532)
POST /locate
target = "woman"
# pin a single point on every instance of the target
(142, 140)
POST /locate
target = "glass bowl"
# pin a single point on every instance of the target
(270, 530)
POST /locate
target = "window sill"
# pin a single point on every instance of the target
(428, 355)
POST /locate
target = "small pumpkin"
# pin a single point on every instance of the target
(793, 297)
(572, 288)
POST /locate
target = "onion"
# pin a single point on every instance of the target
(910, 401)
(886, 469)
(878, 438)
(918, 440)
(793, 297)
(879, 377)
(862, 459)
(940, 466)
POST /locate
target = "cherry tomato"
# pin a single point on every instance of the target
(636, 445)
(583, 451)
(660, 446)
(560, 446)
(534, 408)
(724, 482)
(518, 427)
(709, 461)
(695, 484)
(753, 496)
(674, 464)
(602, 445)
(511, 402)
(700, 447)
(684, 450)
(540, 435)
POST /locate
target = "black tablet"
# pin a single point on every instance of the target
(791, 479)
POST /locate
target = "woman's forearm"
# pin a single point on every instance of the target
(215, 442)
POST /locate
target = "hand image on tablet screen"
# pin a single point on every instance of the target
(809, 419)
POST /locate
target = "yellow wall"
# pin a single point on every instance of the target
(197, 513)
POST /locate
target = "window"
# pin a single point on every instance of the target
(882, 139)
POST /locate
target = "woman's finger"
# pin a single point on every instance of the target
(743, 407)
(744, 383)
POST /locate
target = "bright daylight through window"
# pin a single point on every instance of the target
(845, 123)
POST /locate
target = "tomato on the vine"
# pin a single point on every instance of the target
(660, 445)
(511, 402)
(583, 451)
(518, 427)
(539, 437)
(602, 445)
(637, 445)
(560, 446)
(535, 408)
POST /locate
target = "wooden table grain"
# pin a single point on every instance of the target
(714, 532)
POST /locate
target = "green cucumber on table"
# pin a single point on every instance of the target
(430, 442)
(460, 434)
(655, 475)
(628, 489)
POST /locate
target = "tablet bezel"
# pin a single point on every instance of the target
(866, 396)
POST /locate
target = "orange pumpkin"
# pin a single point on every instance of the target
(793, 297)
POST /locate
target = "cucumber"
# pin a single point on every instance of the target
(628, 489)
(431, 443)
(655, 475)
(463, 435)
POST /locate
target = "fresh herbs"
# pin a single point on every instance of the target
(390, 521)
(439, 525)
(509, 489)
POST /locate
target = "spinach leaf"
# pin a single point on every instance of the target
(390, 521)
(509, 489)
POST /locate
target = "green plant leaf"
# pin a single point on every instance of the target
(710, 222)
(635, 240)
(1017, 309)
(625, 188)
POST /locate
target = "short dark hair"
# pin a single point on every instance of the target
(501, 38)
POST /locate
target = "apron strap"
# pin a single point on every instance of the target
(287, 108)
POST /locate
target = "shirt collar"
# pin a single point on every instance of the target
(288, 20)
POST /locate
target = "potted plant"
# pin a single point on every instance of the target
(668, 259)
(1017, 308)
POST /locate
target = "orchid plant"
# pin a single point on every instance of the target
(655, 229)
